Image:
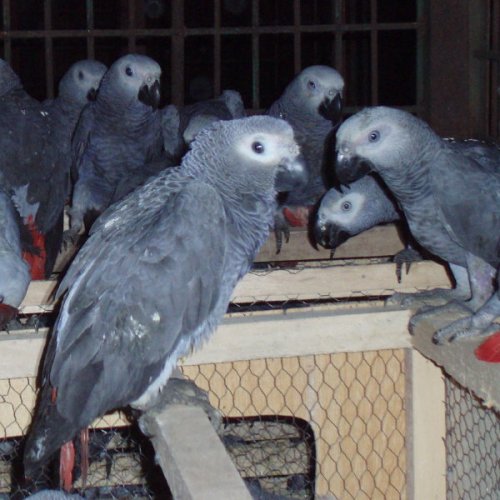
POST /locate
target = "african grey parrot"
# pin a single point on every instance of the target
(34, 139)
(156, 274)
(195, 117)
(367, 202)
(451, 203)
(14, 271)
(179, 128)
(312, 105)
(116, 135)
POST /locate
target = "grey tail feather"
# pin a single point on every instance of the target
(48, 432)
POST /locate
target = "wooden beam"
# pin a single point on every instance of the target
(426, 429)
(193, 458)
(337, 281)
(326, 280)
(253, 336)
(302, 333)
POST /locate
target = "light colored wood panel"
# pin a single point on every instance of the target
(193, 458)
(259, 335)
(426, 432)
(325, 281)
(301, 333)
(380, 241)
(338, 282)
(20, 354)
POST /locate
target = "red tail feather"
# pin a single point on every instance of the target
(489, 350)
(66, 464)
(36, 262)
(297, 217)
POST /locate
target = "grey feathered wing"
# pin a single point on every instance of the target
(80, 139)
(468, 195)
(105, 338)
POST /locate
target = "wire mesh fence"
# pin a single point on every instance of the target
(294, 427)
(473, 446)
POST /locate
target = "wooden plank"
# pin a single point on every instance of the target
(256, 335)
(380, 241)
(338, 282)
(193, 458)
(458, 358)
(302, 333)
(323, 281)
(426, 429)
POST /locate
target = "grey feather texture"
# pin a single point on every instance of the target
(116, 135)
(312, 105)
(35, 141)
(156, 274)
(366, 202)
(451, 202)
(14, 271)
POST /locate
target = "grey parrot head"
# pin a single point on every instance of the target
(80, 83)
(319, 89)
(341, 214)
(350, 210)
(256, 155)
(379, 139)
(8, 78)
(130, 78)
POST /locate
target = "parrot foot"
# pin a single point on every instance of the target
(180, 391)
(405, 258)
(427, 312)
(436, 297)
(281, 229)
(462, 329)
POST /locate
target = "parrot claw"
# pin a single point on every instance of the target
(184, 392)
(463, 328)
(405, 257)
(281, 229)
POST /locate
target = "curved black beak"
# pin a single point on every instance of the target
(350, 169)
(331, 109)
(291, 175)
(92, 94)
(329, 235)
(150, 94)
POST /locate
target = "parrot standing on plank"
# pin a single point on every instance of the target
(367, 202)
(155, 277)
(35, 162)
(116, 135)
(312, 105)
(451, 203)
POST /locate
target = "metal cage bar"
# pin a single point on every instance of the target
(178, 32)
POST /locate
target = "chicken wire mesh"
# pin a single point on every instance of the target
(296, 427)
(472, 446)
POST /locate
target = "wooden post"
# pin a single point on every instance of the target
(193, 458)
(426, 429)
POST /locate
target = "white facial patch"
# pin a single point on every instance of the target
(346, 210)
(267, 149)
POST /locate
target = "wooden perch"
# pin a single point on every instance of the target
(193, 458)
(458, 359)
